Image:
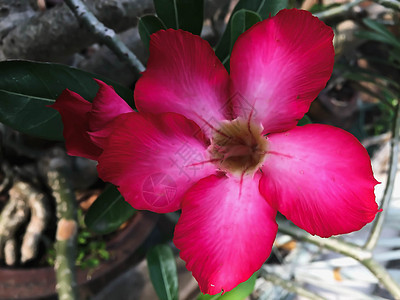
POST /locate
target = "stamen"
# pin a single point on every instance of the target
(249, 119)
(280, 154)
(212, 127)
(203, 162)
(241, 182)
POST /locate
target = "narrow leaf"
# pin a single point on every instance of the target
(242, 291)
(167, 11)
(108, 212)
(181, 14)
(27, 87)
(147, 26)
(241, 21)
(383, 31)
(262, 7)
(163, 273)
(378, 37)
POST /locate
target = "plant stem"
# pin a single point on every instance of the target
(106, 35)
(394, 4)
(290, 286)
(393, 161)
(337, 11)
(65, 246)
(348, 249)
(345, 8)
(333, 243)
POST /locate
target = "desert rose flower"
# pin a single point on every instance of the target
(225, 148)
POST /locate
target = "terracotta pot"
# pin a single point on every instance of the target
(39, 283)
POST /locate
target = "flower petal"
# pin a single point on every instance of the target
(153, 159)
(225, 232)
(320, 178)
(184, 76)
(106, 106)
(74, 109)
(279, 66)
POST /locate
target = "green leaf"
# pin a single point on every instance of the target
(378, 33)
(242, 291)
(27, 87)
(375, 36)
(147, 26)
(386, 62)
(163, 274)
(304, 121)
(262, 7)
(241, 21)
(181, 14)
(108, 212)
(385, 35)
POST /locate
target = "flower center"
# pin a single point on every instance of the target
(239, 147)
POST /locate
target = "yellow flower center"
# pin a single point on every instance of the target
(238, 147)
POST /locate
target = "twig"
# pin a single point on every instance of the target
(290, 286)
(106, 35)
(65, 246)
(32, 38)
(394, 4)
(333, 243)
(393, 161)
(348, 249)
(337, 11)
(344, 9)
(377, 139)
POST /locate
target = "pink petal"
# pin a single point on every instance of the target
(74, 109)
(184, 76)
(154, 159)
(279, 66)
(320, 178)
(225, 232)
(106, 106)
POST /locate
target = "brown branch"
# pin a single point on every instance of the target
(55, 33)
(104, 34)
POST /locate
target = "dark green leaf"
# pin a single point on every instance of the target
(375, 36)
(27, 87)
(241, 21)
(383, 61)
(304, 121)
(242, 291)
(181, 14)
(262, 7)
(385, 34)
(360, 74)
(108, 212)
(356, 76)
(378, 33)
(163, 274)
(147, 26)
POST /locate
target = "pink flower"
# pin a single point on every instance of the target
(225, 148)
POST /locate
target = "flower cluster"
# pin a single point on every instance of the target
(225, 148)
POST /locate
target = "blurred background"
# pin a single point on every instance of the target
(115, 245)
